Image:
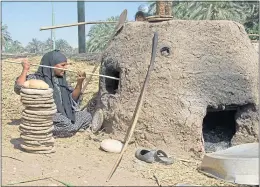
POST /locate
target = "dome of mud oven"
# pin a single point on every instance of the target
(205, 79)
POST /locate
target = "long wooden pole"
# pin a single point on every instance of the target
(77, 24)
(81, 28)
(53, 31)
(138, 106)
(51, 67)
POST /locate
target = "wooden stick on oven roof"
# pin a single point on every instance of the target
(109, 77)
(76, 24)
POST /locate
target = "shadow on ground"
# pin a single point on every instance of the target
(15, 122)
(16, 142)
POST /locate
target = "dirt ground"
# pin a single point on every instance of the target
(78, 160)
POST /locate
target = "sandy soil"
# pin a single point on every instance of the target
(78, 160)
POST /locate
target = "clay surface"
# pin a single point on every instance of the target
(199, 64)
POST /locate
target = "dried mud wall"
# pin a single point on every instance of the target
(211, 64)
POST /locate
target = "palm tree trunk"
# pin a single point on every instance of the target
(168, 8)
(160, 8)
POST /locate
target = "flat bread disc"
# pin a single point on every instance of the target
(36, 123)
(38, 136)
(43, 113)
(35, 119)
(36, 99)
(39, 148)
(41, 152)
(26, 127)
(37, 116)
(35, 132)
(34, 96)
(37, 102)
(40, 142)
(29, 91)
(37, 143)
(40, 106)
(35, 139)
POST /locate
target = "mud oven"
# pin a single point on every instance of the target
(205, 84)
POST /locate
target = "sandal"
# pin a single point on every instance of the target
(151, 156)
(97, 121)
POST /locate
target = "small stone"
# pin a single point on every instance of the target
(110, 145)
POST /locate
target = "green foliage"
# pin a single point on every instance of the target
(252, 21)
(6, 37)
(35, 46)
(215, 10)
(99, 35)
(63, 46)
(14, 47)
(244, 12)
(47, 45)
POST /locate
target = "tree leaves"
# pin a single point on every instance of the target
(99, 35)
(244, 12)
(6, 37)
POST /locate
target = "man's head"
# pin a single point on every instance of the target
(59, 61)
(140, 16)
(55, 59)
(59, 72)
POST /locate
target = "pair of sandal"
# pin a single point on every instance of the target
(151, 156)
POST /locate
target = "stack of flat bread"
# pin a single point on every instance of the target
(37, 124)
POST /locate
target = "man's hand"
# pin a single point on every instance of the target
(81, 77)
(77, 91)
(22, 78)
(26, 65)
